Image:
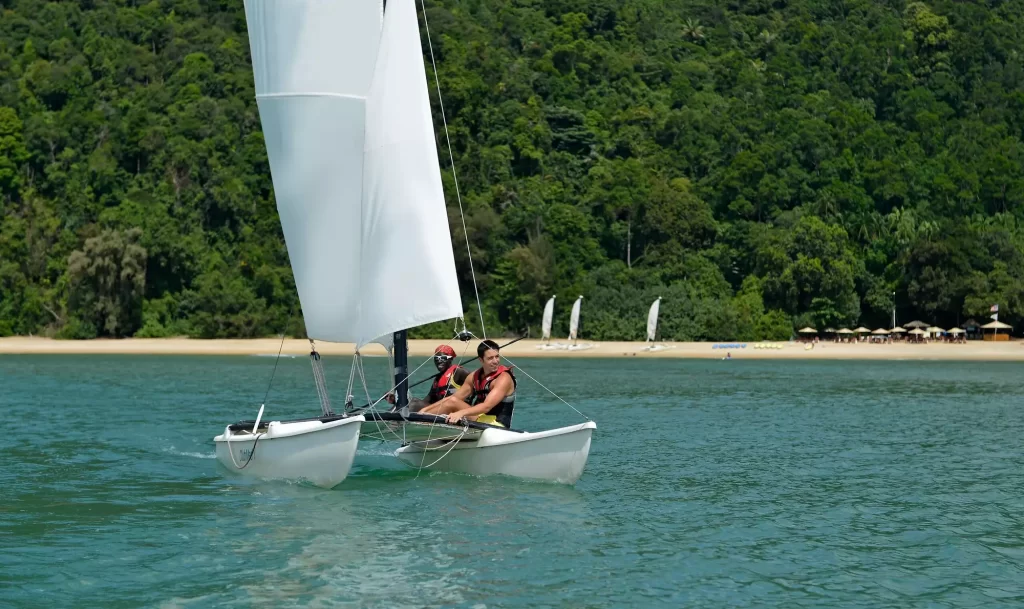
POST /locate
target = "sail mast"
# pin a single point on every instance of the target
(401, 371)
(399, 339)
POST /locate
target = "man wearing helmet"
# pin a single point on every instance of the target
(487, 396)
(447, 381)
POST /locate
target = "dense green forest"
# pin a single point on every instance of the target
(759, 164)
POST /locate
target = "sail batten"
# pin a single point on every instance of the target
(343, 101)
(310, 94)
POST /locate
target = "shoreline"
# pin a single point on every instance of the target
(971, 351)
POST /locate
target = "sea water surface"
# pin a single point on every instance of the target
(710, 483)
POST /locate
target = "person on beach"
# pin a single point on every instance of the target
(487, 396)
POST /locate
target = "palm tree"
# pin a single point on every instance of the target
(693, 31)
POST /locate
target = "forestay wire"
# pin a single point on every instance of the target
(372, 404)
(455, 178)
(272, 374)
(544, 387)
(462, 215)
(320, 380)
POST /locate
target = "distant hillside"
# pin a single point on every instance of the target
(758, 164)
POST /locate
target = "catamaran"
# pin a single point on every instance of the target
(652, 328)
(574, 327)
(545, 327)
(342, 96)
(358, 186)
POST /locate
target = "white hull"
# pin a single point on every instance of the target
(319, 452)
(556, 455)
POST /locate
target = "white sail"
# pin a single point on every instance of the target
(652, 319)
(349, 136)
(549, 313)
(574, 318)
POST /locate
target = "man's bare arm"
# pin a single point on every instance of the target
(499, 390)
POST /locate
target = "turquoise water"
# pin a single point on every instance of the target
(710, 483)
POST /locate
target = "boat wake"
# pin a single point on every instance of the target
(194, 455)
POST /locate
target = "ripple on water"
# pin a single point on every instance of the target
(757, 484)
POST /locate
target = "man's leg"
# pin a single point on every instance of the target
(429, 408)
(445, 406)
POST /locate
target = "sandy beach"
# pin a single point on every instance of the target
(972, 351)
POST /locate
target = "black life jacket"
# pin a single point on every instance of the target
(443, 385)
(502, 411)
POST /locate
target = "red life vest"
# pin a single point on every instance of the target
(502, 411)
(443, 385)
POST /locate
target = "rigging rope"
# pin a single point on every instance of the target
(351, 383)
(543, 386)
(451, 157)
(271, 383)
(395, 386)
(462, 215)
(520, 368)
(451, 446)
(318, 379)
(372, 405)
(362, 375)
(227, 438)
(252, 454)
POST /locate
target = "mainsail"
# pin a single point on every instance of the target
(652, 319)
(574, 319)
(549, 313)
(346, 118)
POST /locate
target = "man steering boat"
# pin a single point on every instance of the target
(487, 396)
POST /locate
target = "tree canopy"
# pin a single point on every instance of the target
(758, 164)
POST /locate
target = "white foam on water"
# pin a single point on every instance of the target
(375, 452)
(344, 567)
(194, 455)
(182, 603)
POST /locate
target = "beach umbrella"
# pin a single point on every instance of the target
(956, 331)
(862, 330)
(935, 330)
(808, 330)
(897, 330)
(997, 325)
(845, 331)
(880, 331)
(916, 324)
(918, 332)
